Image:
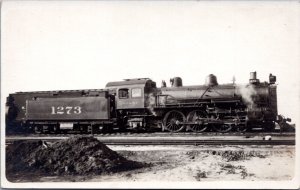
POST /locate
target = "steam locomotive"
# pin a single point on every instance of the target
(137, 104)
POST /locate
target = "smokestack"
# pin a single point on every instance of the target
(253, 79)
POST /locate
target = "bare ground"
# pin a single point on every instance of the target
(197, 163)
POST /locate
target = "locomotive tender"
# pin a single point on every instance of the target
(139, 104)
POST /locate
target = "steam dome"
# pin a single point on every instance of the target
(211, 80)
(176, 82)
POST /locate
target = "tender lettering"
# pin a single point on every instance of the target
(59, 110)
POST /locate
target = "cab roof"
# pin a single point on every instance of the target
(137, 81)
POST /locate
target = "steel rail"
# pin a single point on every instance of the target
(158, 134)
(169, 140)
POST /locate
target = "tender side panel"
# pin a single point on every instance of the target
(19, 99)
(20, 102)
(79, 108)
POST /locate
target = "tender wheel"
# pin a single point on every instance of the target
(55, 129)
(197, 117)
(222, 128)
(38, 129)
(241, 128)
(172, 121)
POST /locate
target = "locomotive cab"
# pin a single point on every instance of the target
(134, 99)
(132, 93)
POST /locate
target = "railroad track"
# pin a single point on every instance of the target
(171, 140)
(159, 134)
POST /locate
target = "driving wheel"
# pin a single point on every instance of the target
(197, 118)
(173, 121)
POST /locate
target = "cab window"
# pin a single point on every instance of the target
(136, 92)
(123, 93)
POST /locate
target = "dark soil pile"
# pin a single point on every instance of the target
(79, 156)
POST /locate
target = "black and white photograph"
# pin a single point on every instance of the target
(150, 94)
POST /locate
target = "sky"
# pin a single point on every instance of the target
(63, 45)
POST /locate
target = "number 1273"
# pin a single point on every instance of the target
(65, 110)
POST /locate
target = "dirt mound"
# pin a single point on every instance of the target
(17, 154)
(80, 156)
